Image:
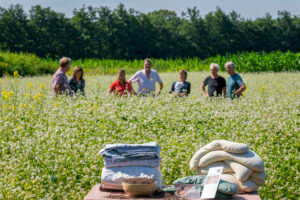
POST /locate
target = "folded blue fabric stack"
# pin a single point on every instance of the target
(123, 161)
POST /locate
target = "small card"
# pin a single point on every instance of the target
(211, 183)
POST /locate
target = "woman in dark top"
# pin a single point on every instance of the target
(77, 83)
(181, 87)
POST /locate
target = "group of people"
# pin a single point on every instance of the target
(60, 82)
(147, 79)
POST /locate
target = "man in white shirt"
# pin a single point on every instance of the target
(147, 79)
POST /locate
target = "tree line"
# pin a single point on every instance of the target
(100, 32)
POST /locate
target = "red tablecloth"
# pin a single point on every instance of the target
(97, 194)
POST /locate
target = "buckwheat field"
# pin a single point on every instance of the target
(49, 146)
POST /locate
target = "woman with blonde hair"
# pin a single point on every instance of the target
(121, 86)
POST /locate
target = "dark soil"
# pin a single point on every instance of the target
(141, 181)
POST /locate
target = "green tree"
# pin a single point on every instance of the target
(14, 29)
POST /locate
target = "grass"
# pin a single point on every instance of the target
(49, 146)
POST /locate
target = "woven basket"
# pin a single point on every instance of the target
(139, 189)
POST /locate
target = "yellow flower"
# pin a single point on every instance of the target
(6, 95)
(27, 95)
(19, 127)
(21, 105)
(95, 107)
(4, 92)
(36, 96)
(42, 86)
(261, 89)
(30, 85)
(56, 105)
(16, 74)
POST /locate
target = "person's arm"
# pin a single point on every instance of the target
(57, 83)
(56, 88)
(134, 78)
(109, 91)
(241, 89)
(203, 90)
(242, 85)
(112, 88)
(172, 88)
(132, 91)
(161, 85)
(130, 88)
(224, 87)
(205, 83)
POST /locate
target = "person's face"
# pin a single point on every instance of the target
(182, 77)
(121, 76)
(214, 71)
(229, 70)
(78, 74)
(147, 66)
(66, 68)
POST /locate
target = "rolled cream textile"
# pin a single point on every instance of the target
(249, 159)
(230, 178)
(258, 178)
(242, 167)
(228, 146)
(226, 168)
(247, 186)
(241, 172)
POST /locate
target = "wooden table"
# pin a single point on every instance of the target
(97, 194)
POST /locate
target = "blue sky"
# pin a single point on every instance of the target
(247, 8)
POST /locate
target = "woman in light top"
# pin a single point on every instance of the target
(181, 87)
(121, 87)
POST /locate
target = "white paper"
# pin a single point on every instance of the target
(211, 183)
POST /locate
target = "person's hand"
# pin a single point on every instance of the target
(206, 95)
